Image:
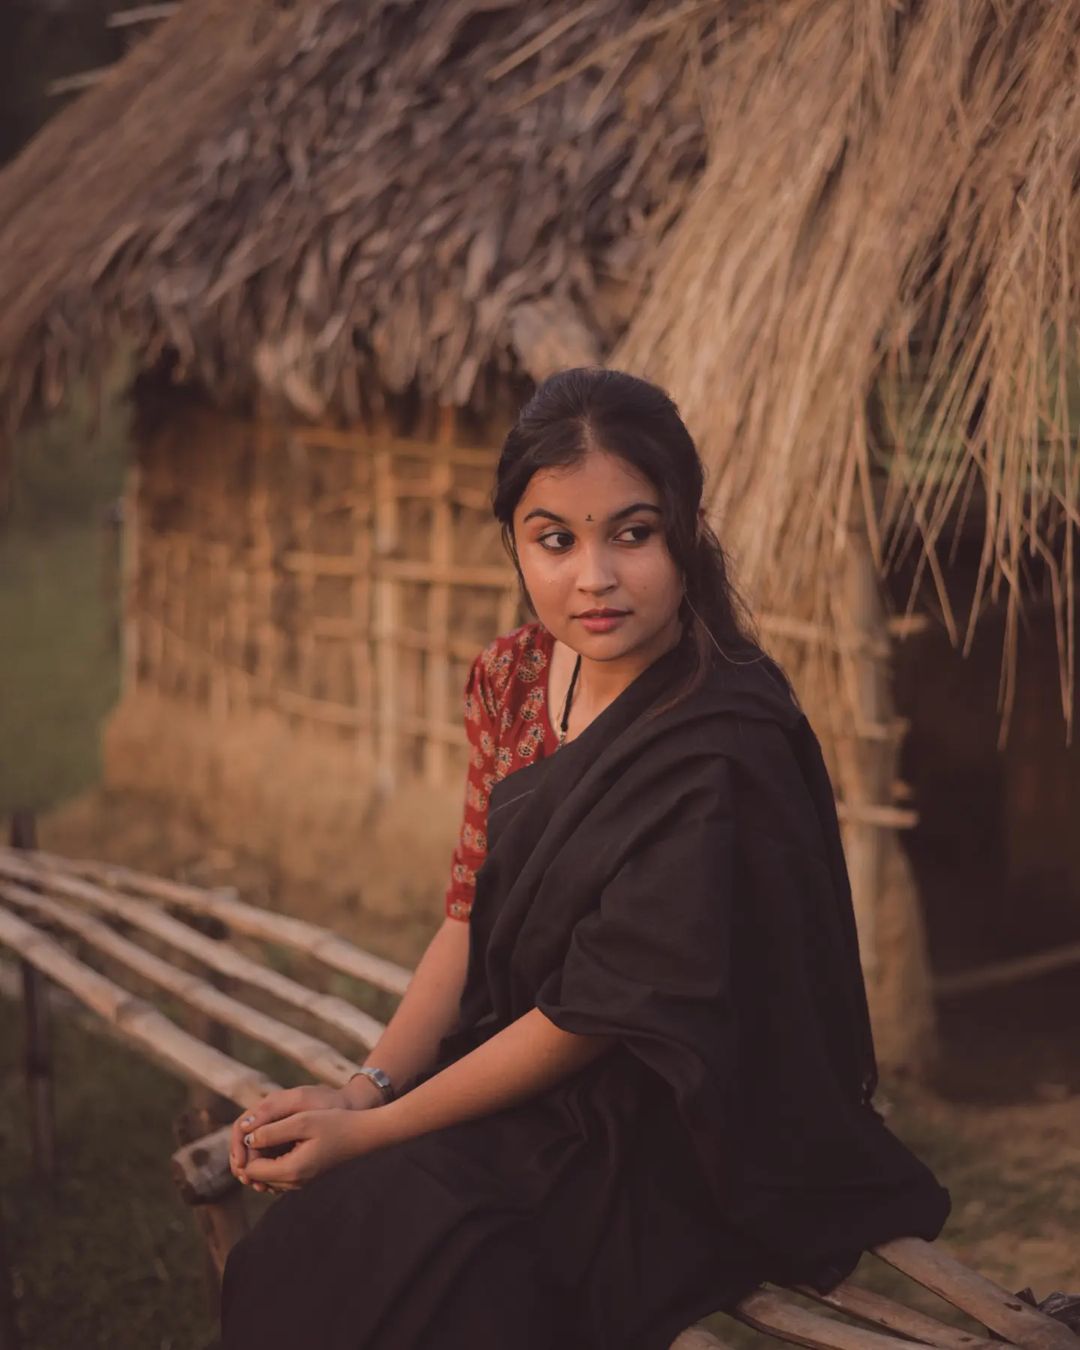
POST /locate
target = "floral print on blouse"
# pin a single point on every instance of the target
(507, 722)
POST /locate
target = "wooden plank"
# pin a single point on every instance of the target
(777, 1316)
(987, 1302)
(240, 917)
(856, 1301)
(333, 1011)
(316, 1055)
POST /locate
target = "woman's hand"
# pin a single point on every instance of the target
(276, 1106)
(315, 1140)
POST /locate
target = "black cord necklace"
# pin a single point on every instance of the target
(564, 722)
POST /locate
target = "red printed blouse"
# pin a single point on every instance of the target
(507, 722)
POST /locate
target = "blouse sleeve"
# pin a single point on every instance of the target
(481, 714)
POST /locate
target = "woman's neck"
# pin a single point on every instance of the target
(599, 683)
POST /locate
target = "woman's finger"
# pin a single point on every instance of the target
(237, 1150)
(276, 1132)
(275, 1105)
(272, 1172)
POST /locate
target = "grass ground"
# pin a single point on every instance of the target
(58, 664)
(106, 1256)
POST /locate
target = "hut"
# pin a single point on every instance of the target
(342, 242)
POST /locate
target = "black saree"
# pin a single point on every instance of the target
(676, 881)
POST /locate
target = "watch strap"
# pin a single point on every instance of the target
(379, 1077)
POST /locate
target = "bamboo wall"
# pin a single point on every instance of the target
(342, 580)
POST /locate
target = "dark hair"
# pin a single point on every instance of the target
(590, 407)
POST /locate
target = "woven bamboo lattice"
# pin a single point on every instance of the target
(47, 901)
(344, 580)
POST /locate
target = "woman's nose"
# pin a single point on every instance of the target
(596, 574)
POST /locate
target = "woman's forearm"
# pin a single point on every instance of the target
(427, 1011)
(522, 1060)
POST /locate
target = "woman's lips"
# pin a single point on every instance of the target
(602, 622)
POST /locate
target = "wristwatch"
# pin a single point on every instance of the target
(380, 1079)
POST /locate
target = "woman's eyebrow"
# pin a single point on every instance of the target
(624, 511)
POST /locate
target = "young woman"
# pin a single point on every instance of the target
(632, 1076)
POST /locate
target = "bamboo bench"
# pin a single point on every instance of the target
(44, 897)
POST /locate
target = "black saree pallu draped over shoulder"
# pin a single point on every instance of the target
(674, 880)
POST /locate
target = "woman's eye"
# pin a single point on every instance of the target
(556, 541)
(638, 533)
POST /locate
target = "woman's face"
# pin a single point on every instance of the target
(592, 550)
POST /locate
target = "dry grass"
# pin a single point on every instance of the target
(879, 266)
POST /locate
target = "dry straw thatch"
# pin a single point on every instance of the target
(869, 309)
(326, 198)
(842, 232)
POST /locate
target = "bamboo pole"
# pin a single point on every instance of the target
(139, 14)
(37, 1039)
(9, 1328)
(418, 640)
(360, 616)
(201, 1169)
(388, 746)
(868, 774)
(769, 1312)
(140, 1023)
(306, 937)
(383, 441)
(321, 710)
(222, 1220)
(494, 577)
(697, 1338)
(316, 1055)
(1008, 972)
(331, 1010)
(444, 732)
(129, 572)
(437, 665)
(966, 1289)
(855, 1301)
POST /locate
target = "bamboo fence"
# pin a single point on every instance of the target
(342, 580)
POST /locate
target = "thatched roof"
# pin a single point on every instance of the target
(870, 310)
(327, 196)
(844, 233)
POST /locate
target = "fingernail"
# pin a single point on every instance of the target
(248, 1120)
(248, 1138)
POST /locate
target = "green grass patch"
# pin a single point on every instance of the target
(58, 661)
(108, 1255)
